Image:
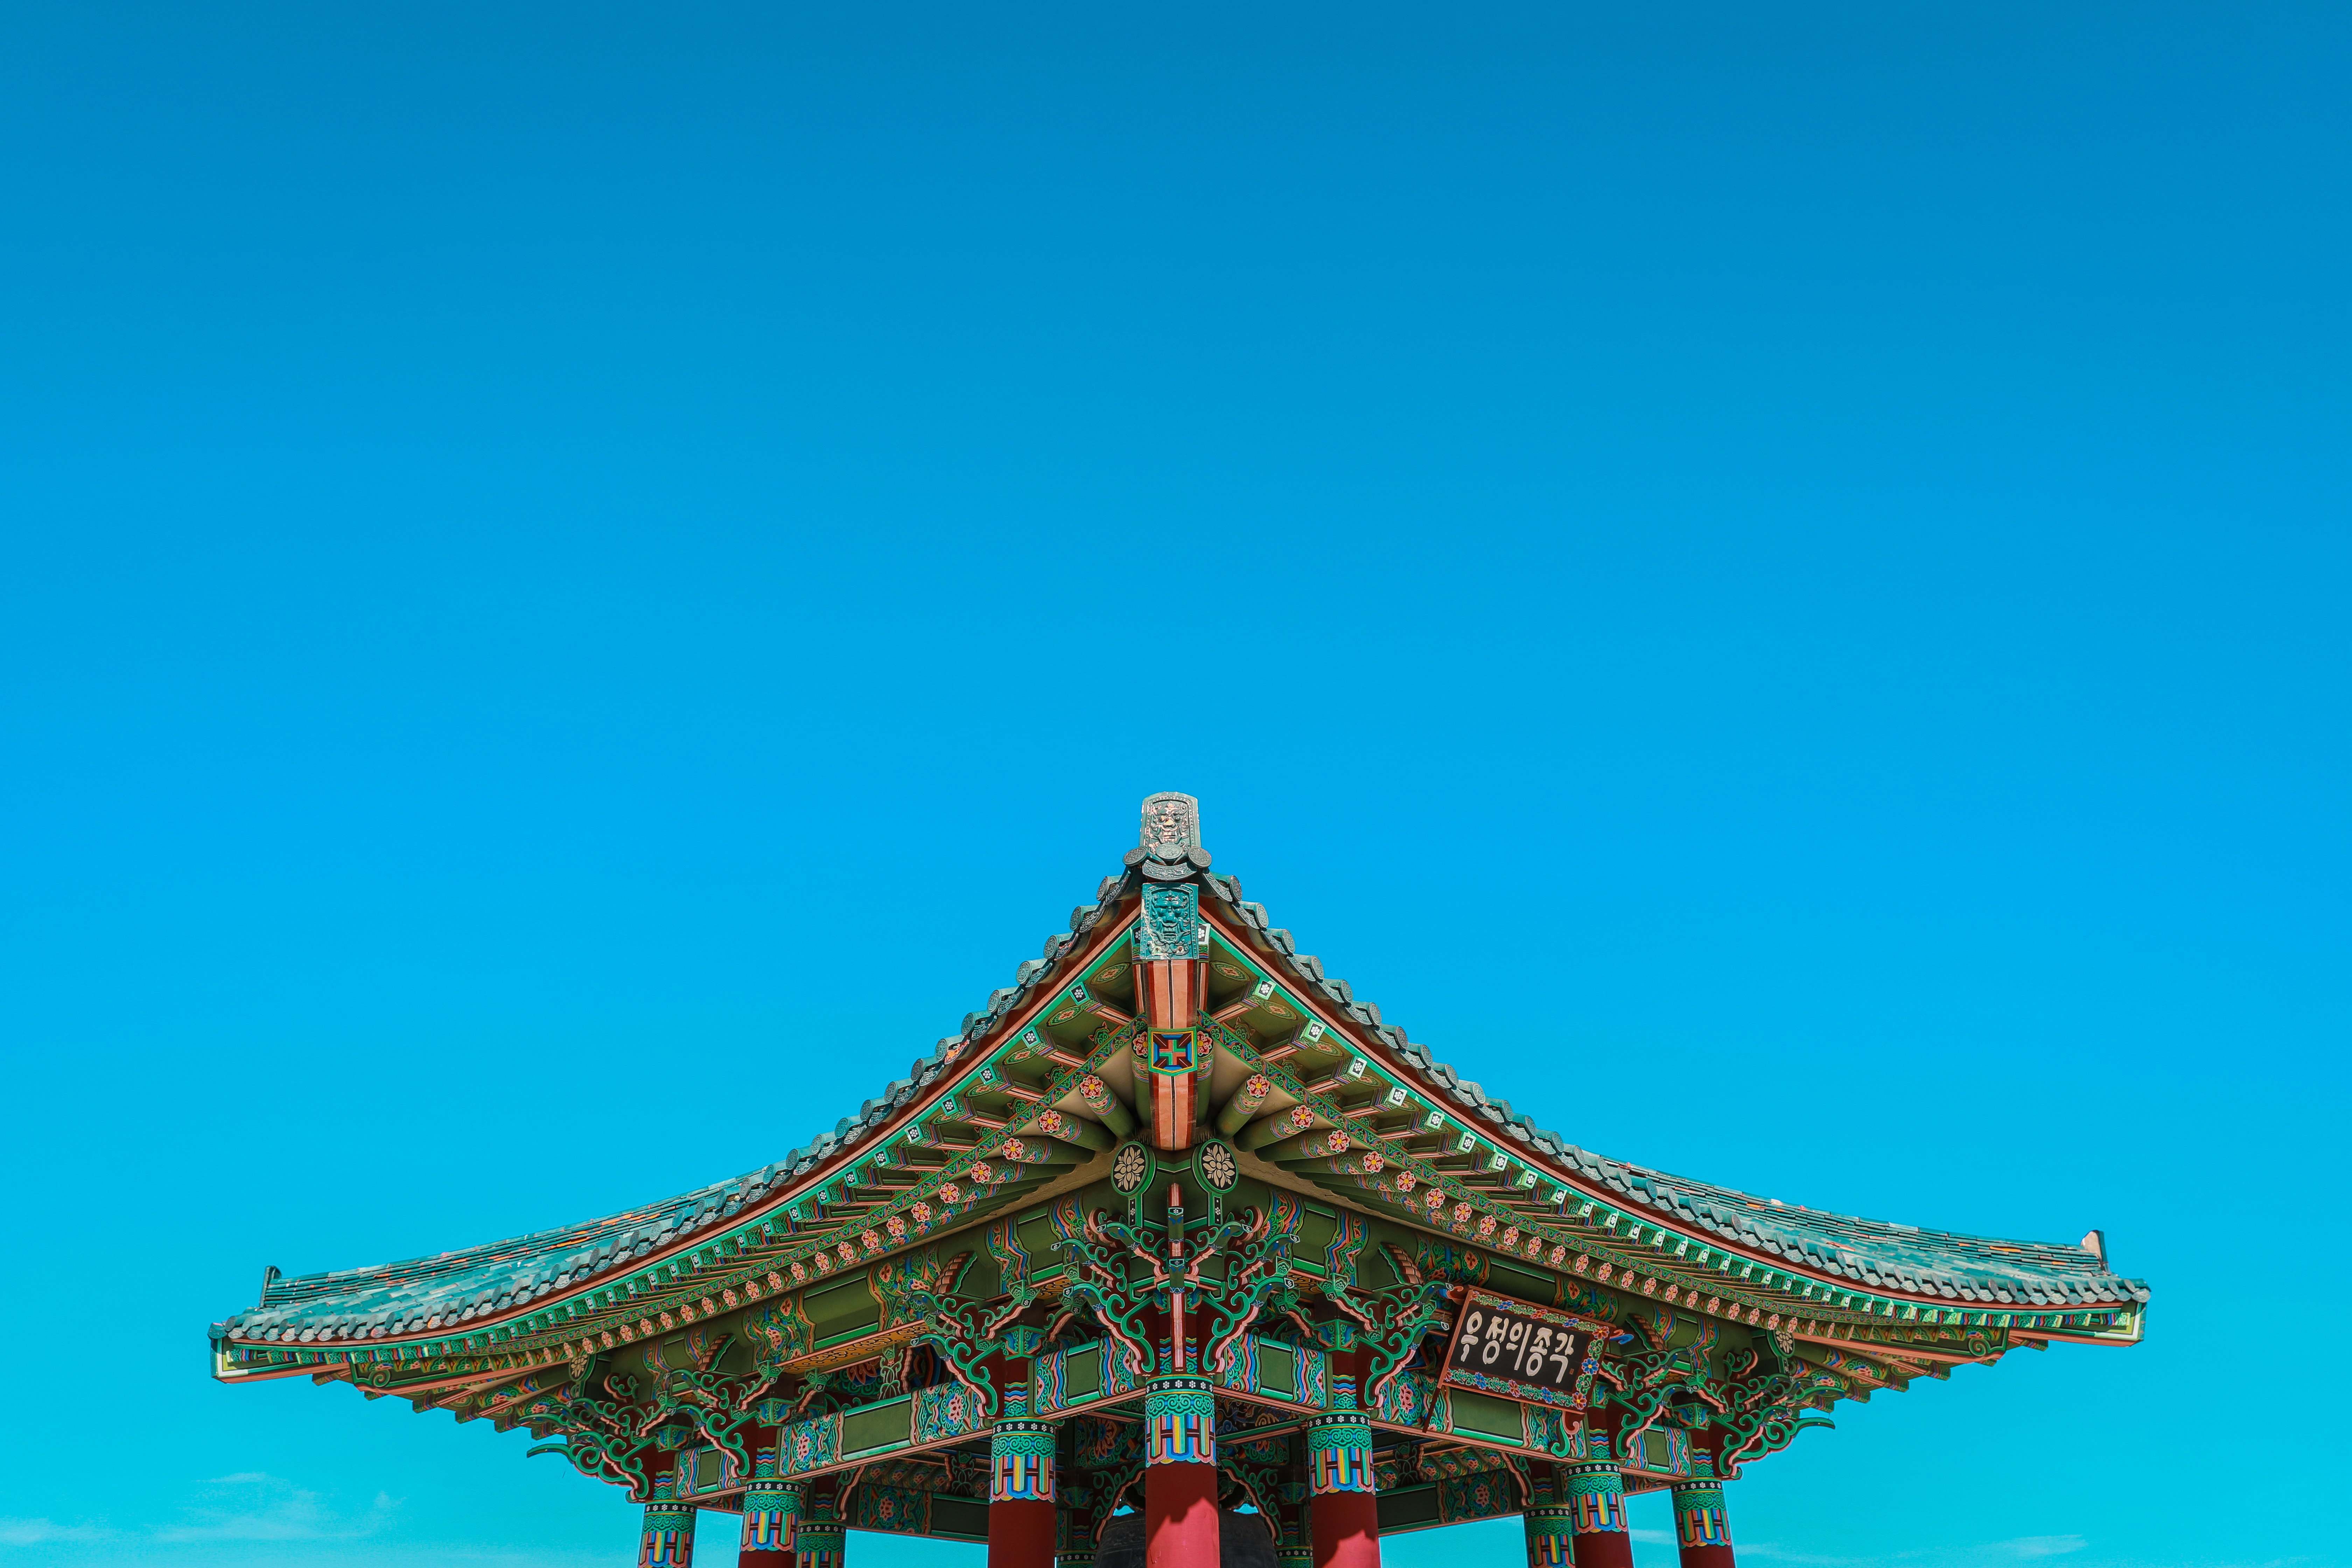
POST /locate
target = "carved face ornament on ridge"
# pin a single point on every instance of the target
(1167, 826)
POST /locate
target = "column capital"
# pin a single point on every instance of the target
(821, 1538)
(1180, 1420)
(667, 1539)
(772, 1509)
(1020, 1457)
(1549, 1527)
(1702, 1527)
(1340, 1454)
(1596, 1497)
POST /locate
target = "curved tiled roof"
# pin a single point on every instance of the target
(390, 1299)
(486, 1283)
(1906, 1257)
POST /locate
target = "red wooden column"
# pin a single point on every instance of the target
(1295, 1547)
(1596, 1501)
(1701, 1527)
(772, 1509)
(1021, 1460)
(1180, 1474)
(667, 1539)
(1344, 1514)
(1550, 1525)
(822, 1539)
(1074, 1528)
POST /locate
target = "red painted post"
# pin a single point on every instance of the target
(1295, 1545)
(772, 1508)
(1344, 1515)
(822, 1539)
(1594, 1490)
(1073, 1541)
(1021, 1461)
(1702, 1529)
(667, 1539)
(1180, 1476)
(1548, 1523)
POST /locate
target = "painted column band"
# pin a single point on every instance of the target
(1550, 1525)
(1596, 1497)
(1700, 1517)
(667, 1539)
(1021, 1455)
(1294, 1550)
(1074, 1538)
(821, 1538)
(1180, 1421)
(1339, 1455)
(771, 1507)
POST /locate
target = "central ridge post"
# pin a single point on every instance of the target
(1180, 1436)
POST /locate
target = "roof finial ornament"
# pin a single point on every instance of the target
(1169, 849)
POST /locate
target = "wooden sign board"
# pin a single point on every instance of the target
(1516, 1350)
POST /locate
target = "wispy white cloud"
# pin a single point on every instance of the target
(1993, 1554)
(46, 1532)
(254, 1506)
(1767, 1549)
(1987, 1555)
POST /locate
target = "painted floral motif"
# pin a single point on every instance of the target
(901, 1510)
(1480, 1496)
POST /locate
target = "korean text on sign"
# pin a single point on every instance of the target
(1504, 1344)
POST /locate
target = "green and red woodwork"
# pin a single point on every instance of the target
(1177, 1223)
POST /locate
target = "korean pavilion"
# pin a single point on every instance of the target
(1177, 1252)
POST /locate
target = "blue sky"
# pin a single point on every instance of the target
(576, 586)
